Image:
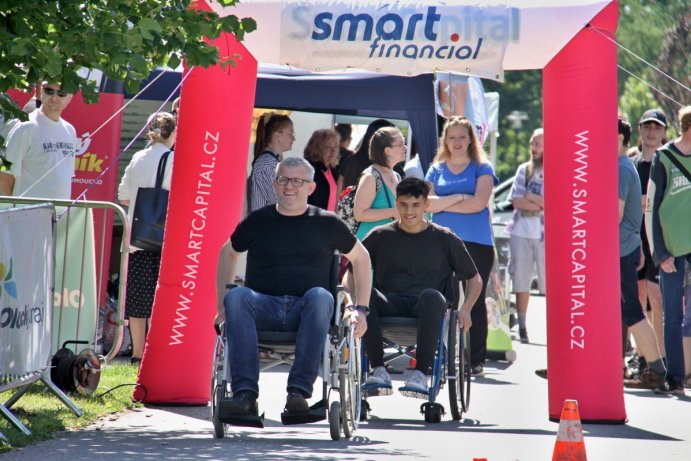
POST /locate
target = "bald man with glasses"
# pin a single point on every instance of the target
(290, 247)
(42, 150)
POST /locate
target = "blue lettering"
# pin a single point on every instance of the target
(395, 34)
(320, 23)
(354, 22)
(432, 18)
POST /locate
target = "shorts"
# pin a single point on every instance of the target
(527, 258)
(142, 278)
(631, 309)
(649, 271)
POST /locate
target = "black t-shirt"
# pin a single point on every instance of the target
(288, 255)
(643, 168)
(405, 264)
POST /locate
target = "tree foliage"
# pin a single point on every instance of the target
(126, 39)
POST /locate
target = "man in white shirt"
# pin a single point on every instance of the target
(42, 150)
(526, 228)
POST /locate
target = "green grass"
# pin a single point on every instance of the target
(44, 414)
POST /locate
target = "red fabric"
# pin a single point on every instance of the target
(333, 188)
(204, 207)
(583, 306)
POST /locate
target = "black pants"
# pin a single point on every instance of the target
(483, 256)
(428, 307)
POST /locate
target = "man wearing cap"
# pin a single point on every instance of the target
(652, 128)
(42, 150)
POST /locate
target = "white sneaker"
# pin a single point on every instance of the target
(416, 384)
(379, 378)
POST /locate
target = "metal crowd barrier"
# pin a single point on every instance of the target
(74, 298)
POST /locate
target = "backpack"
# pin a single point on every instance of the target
(346, 201)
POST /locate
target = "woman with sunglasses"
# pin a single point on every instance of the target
(375, 196)
(462, 183)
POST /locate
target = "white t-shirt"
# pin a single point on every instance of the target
(527, 225)
(141, 172)
(42, 154)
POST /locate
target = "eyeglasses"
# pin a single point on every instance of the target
(297, 182)
(52, 91)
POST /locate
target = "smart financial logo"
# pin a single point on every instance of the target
(411, 34)
(16, 317)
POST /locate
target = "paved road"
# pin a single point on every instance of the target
(507, 421)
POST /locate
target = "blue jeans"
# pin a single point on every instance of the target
(672, 286)
(248, 311)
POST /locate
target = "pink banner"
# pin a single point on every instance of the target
(583, 303)
(204, 207)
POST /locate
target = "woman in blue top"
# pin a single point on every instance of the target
(375, 199)
(462, 182)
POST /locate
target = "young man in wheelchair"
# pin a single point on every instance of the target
(414, 263)
(290, 249)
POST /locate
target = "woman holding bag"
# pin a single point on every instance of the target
(142, 270)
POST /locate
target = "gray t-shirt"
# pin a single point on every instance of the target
(630, 193)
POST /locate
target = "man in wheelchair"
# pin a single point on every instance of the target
(290, 248)
(414, 263)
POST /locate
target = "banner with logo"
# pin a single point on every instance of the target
(396, 38)
(26, 274)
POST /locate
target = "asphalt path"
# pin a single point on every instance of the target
(507, 420)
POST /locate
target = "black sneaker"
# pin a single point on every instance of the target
(296, 403)
(670, 387)
(242, 403)
(541, 372)
(648, 379)
(477, 370)
(523, 335)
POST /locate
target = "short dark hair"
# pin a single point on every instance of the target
(624, 129)
(413, 187)
(344, 130)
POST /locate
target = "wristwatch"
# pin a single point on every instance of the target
(361, 308)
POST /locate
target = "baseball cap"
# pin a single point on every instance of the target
(654, 115)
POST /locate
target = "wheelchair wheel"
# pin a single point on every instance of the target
(217, 388)
(454, 367)
(335, 420)
(464, 368)
(349, 383)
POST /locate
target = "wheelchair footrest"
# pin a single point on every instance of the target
(316, 413)
(376, 390)
(404, 391)
(247, 420)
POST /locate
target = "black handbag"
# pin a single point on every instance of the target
(149, 218)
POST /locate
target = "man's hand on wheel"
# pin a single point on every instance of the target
(357, 318)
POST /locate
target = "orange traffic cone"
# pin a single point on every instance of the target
(569, 445)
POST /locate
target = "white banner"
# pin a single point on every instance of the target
(26, 274)
(396, 38)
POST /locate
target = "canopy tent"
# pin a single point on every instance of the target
(409, 38)
(349, 93)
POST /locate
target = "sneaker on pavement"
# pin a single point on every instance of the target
(415, 384)
(477, 370)
(523, 335)
(669, 387)
(379, 378)
(648, 379)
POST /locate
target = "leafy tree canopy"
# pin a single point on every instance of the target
(125, 39)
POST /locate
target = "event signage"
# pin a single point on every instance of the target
(398, 38)
(26, 273)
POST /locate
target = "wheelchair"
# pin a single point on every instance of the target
(451, 366)
(340, 374)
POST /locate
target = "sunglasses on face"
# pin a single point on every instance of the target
(52, 91)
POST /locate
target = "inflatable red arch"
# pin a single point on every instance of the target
(583, 314)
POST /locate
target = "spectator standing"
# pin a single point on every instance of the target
(143, 267)
(275, 135)
(42, 150)
(353, 166)
(322, 153)
(527, 242)
(632, 314)
(668, 217)
(375, 198)
(652, 128)
(463, 181)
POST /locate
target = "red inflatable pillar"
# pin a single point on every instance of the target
(584, 352)
(204, 207)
